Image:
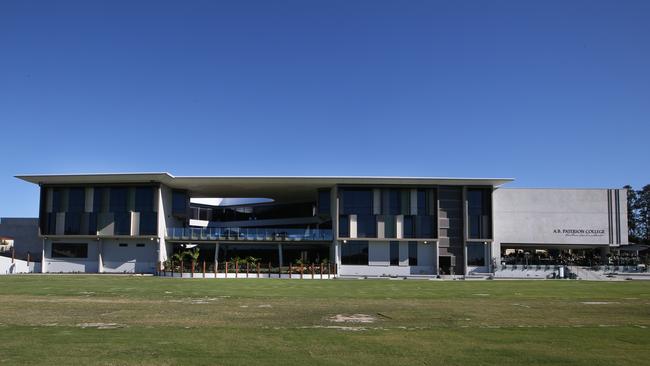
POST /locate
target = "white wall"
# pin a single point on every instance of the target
(551, 216)
(89, 264)
(130, 258)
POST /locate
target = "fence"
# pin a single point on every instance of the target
(237, 269)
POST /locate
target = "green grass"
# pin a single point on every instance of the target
(164, 321)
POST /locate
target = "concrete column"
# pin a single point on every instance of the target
(399, 226)
(216, 253)
(43, 264)
(100, 259)
(353, 226)
(280, 254)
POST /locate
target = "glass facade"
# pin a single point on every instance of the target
(385, 206)
(179, 203)
(394, 253)
(479, 213)
(413, 253)
(354, 252)
(475, 254)
(366, 226)
(111, 211)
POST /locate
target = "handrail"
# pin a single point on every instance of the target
(248, 233)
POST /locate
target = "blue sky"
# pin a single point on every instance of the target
(552, 93)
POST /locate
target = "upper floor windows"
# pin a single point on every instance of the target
(479, 213)
(179, 203)
(357, 201)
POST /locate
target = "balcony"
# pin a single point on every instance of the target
(248, 234)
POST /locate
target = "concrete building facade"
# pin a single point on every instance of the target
(366, 226)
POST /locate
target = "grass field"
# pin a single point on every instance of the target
(116, 320)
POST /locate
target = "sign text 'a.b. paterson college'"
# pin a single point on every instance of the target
(579, 232)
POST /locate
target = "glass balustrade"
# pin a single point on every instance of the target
(249, 234)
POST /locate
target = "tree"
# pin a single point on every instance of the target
(632, 213)
(643, 223)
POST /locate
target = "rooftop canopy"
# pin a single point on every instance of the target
(278, 188)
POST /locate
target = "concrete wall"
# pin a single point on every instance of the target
(560, 216)
(24, 231)
(129, 258)
(132, 256)
(90, 264)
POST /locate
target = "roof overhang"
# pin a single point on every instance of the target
(279, 188)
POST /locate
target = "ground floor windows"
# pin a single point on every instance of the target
(476, 254)
(69, 250)
(354, 252)
(413, 253)
(394, 253)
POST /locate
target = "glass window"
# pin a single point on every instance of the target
(357, 201)
(354, 253)
(98, 199)
(118, 199)
(390, 226)
(57, 200)
(324, 201)
(424, 227)
(409, 229)
(344, 226)
(69, 250)
(394, 253)
(422, 202)
(76, 199)
(479, 213)
(394, 202)
(148, 223)
(144, 199)
(366, 226)
(73, 223)
(122, 223)
(179, 203)
(475, 254)
(413, 253)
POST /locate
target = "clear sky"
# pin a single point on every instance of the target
(552, 93)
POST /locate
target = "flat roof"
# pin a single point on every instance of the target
(280, 188)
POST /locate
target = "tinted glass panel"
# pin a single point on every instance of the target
(409, 226)
(76, 200)
(475, 254)
(424, 227)
(148, 223)
(179, 203)
(394, 202)
(344, 226)
(413, 253)
(73, 223)
(479, 213)
(366, 226)
(69, 250)
(98, 199)
(57, 200)
(422, 202)
(357, 201)
(144, 199)
(324, 202)
(118, 200)
(354, 253)
(122, 223)
(394, 253)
